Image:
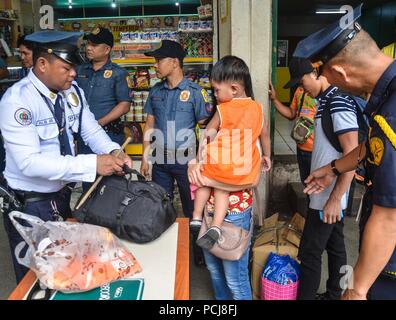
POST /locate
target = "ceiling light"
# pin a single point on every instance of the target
(70, 7)
(177, 4)
(330, 11)
(113, 5)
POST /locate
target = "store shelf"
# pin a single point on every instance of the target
(134, 149)
(6, 19)
(195, 31)
(8, 80)
(146, 62)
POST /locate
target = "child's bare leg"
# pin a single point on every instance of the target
(221, 206)
(212, 235)
(201, 197)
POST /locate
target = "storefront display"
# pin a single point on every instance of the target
(136, 35)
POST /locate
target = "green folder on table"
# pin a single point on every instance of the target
(131, 289)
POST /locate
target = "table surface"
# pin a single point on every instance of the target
(182, 282)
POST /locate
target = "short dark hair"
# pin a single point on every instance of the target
(232, 68)
(180, 62)
(39, 53)
(22, 41)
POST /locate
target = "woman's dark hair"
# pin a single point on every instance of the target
(231, 68)
(28, 44)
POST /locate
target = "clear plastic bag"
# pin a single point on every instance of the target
(72, 257)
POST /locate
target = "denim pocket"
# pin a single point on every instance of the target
(241, 220)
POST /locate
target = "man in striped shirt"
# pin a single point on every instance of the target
(324, 224)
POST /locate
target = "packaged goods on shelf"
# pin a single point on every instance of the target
(195, 26)
(148, 36)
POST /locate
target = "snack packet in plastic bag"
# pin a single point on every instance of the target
(72, 257)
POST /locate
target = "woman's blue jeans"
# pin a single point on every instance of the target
(230, 279)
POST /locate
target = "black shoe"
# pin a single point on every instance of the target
(209, 238)
(322, 296)
(195, 226)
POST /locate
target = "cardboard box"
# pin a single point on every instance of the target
(273, 237)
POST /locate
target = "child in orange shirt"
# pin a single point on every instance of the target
(232, 159)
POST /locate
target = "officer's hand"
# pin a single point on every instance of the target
(145, 169)
(108, 164)
(124, 157)
(319, 180)
(332, 211)
(351, 294)
(194, 173)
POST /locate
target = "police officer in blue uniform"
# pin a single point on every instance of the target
(174, 107)
(106, 87)
(40, 118)
(350, 59)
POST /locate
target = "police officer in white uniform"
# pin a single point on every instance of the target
(40, 118)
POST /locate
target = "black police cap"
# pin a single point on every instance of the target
(101, 35)
(59, 43)
(168, 49)
(323, 45)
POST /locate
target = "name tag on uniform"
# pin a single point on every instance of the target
(81, 76)
(45, 122)
(73, 117)
(156, 99)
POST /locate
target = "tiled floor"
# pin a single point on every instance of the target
(283, 143)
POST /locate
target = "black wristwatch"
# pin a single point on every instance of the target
(334, 169)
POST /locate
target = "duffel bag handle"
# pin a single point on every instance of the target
(128, 170)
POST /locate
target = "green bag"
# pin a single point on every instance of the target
(303, 127)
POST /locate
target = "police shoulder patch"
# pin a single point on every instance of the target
(377, 149)
(23, 116)
(129, 82)
(205, 95)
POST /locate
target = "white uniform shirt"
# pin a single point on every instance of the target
(30, 133)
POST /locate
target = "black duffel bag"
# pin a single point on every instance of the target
(138, 211)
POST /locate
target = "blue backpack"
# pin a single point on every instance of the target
(362, 119)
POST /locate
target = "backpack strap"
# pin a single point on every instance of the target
(301, 104)
(327, 124)
(327, 120)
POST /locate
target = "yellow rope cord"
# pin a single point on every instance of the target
(386, 128)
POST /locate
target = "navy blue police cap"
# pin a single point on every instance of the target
(101, 35)
(62, 44)
(323, 45)
(168, 49)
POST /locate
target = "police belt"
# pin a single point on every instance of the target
(32, 196)
(115, 127)
(174, 154)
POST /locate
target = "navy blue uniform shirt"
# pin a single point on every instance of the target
(381, 160)
(178, 109)
(104, 88)
(381, 154)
